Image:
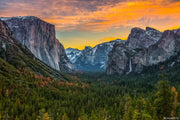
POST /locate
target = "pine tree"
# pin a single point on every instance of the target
(93, 116)
(140, 112)
(65, 117)
(16, 118)
(83, 115)
(128, 110)
(164, 99)
(178, 99)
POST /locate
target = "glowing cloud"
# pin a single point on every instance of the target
(97, 16)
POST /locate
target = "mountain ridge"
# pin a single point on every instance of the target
(91, 58)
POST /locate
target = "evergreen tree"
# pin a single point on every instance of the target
(140, 112)
(128, 109)
(65, 117)
(164, 99)
(83, 115)
(178, 99)
(93, 116)
(16, 118)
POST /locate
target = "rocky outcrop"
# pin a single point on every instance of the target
(140, 38)
(39, 37)
(117, 61)
(91, 59)
(154, 47)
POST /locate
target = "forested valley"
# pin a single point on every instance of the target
(25, 95)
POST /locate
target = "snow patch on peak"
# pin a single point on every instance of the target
(73, 54)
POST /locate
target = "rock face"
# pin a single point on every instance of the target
(91, 59)
(17, 56)
(143, 48)
(39, 37)
(140, 38)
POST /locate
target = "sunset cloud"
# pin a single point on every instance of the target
(97, 15)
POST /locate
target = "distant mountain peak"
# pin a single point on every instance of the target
(150, 28)
(87, 47)
(91, 59)
(69, 48)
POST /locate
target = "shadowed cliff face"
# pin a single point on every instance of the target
(4, 29)
(39, 37)
(6, 39)
(143, 48)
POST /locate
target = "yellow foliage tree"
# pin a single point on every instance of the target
(175, 102)
(7, 93)
(46, 116)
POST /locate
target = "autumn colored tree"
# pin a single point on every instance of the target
(175, 101)
(43, 115)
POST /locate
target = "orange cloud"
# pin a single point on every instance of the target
(139, 14)
(105, 15)
(126, 14)
(97, 16)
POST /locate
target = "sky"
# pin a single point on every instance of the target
(81, 23)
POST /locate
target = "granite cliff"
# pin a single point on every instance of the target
(14, 57)
(39, 37)
(143, 48)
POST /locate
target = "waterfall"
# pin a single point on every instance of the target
(130, 65)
